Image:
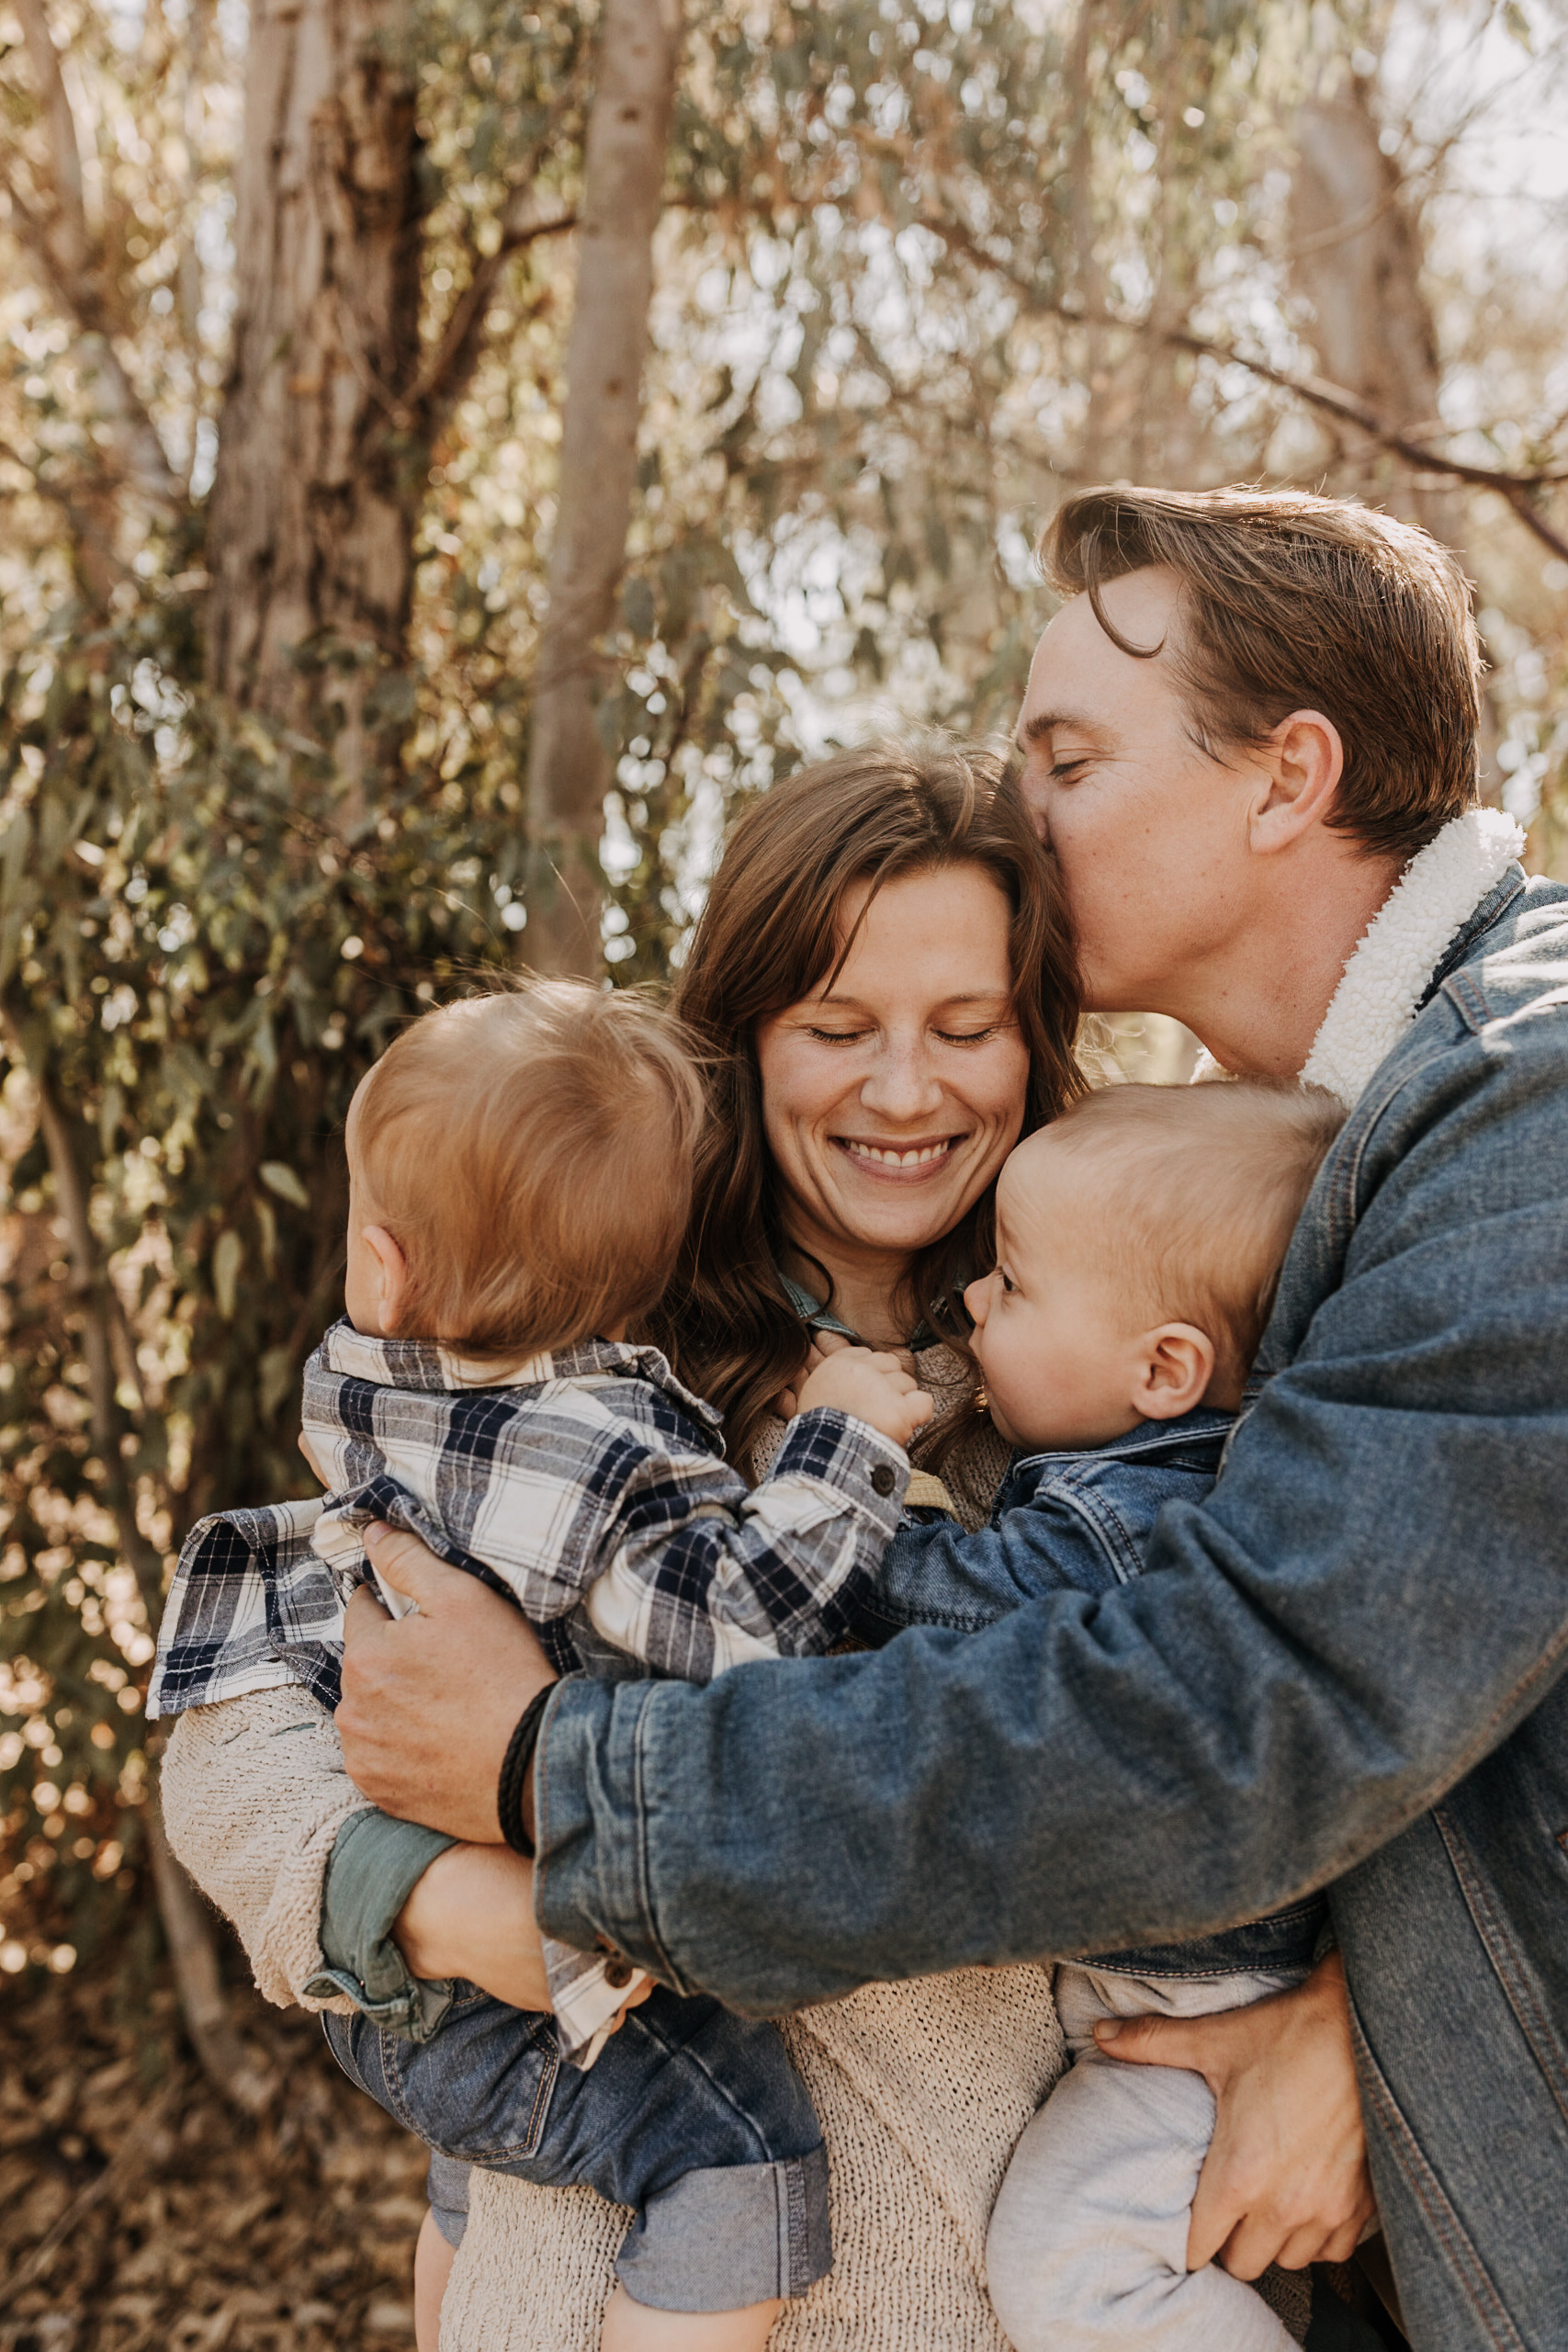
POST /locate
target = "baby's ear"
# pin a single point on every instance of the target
(392, 1274)
(1174, 1366)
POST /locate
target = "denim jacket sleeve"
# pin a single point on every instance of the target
(1373, 1597)
(938, 1574)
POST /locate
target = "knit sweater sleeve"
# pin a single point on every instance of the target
(254, 1793)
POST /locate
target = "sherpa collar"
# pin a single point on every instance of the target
(1386, 976)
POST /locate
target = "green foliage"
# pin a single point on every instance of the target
(201, 949)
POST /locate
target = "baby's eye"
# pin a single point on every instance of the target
(1006, 1281)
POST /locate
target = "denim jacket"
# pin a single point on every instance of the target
(1346, 1672)
(1080, 1521)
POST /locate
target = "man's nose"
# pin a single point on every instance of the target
(903, 1083)
(1034, 791)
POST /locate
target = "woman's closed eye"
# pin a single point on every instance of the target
(838, 1037)
(966, 1036)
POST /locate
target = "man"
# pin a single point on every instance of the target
(1254, 717)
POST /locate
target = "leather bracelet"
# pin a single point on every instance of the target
(514, 1770)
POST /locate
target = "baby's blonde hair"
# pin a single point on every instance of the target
(531, 1152)
(1197, 1191)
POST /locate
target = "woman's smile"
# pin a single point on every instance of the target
(898, 1162)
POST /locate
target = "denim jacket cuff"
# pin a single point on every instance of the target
(590, 1813)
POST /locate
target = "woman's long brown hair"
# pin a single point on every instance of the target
(769, 934)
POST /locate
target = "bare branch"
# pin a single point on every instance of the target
(70, 223)
(73, 269)
(1519, 491)
(442, 378)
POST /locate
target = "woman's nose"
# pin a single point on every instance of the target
(902, 1083)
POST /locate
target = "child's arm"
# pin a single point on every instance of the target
(937, 1574)
(698, 1572)
(471, 1913)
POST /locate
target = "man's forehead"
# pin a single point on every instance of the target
(1080, 678)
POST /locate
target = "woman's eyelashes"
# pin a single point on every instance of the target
(943, 1037)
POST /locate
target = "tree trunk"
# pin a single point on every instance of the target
(322, 469)
(1356, 252)
(1356, 255)
(569, 765)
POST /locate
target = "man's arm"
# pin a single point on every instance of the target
(1321, 1654)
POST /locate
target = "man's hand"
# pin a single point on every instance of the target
(1286, 2176)
(875, 1388)
(472, 1914)
(431, 1701)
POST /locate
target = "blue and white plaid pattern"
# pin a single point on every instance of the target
(588, 1485)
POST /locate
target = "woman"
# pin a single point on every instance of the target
(884, 979)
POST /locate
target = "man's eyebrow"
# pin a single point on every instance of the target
(1045, 722)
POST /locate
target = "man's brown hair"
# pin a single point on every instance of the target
(1295, 602)
(532, 1153)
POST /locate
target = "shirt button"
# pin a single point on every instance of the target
(883, 1479)
(617, 1973)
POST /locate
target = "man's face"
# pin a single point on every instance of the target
(1149, 832)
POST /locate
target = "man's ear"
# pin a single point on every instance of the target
(391, 1274)
(1175, 1366)
(1302, 762)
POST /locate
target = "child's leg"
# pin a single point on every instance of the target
(1087, 2243)
(433, 2260)
(692, 2117)
(638, 2327)
(440, 2235)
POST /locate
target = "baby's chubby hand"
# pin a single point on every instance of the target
(874, 1388)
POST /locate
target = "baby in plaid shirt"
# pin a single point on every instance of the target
(521, 1177)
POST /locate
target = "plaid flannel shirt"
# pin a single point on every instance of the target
(590, 1486)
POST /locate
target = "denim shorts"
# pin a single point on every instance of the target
(692, 2117)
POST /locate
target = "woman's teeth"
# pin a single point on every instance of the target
(917, 1159)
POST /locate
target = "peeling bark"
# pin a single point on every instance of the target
(569, 771)
(321, 467)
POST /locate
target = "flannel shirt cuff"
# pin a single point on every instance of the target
(375, 1864)
(863, 1468)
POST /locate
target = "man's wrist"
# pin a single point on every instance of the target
(515, 1789)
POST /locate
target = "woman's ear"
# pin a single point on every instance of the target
(391, 1274)
(1175, 1366)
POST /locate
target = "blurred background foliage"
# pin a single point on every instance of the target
(923, 265)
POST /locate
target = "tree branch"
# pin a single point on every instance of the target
(73, 269)
(1519, 491)
(450, 364)
(65, 152)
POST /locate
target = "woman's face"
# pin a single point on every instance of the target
(892, 1095)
